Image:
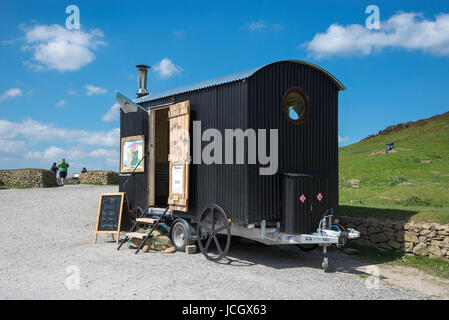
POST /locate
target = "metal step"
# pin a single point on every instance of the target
(157, 211)
(137, 235)
(146, 220)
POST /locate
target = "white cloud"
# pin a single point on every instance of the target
(109, 138)
(11, 93)
(61, 103)
(92, 90)
(33, 66)
(23, 144)
(76, 153)
(403, 30)
(253, 26)
(110, 157)
(9, 42)
(35, 131)
(260, 25)
(71, 92)
(104, 153)
(12, 146)
(112, 114)
(342, 139)
(52, 153)
(55, 47)
(33, 155)
(113, 162)
(167, 69)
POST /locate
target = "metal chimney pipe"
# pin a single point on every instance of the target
(142, 80)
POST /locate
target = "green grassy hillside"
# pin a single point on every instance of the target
(412, 182)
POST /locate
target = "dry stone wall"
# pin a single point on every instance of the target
(39, 178)
(35, 178)
(424, 239)
(99, 177)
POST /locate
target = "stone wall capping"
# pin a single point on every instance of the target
(414, 238)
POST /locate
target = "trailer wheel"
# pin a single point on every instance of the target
(180, 235)
(307, 247)
(212, 221)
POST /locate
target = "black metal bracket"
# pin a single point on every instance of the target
(151, 231)
(132, 228)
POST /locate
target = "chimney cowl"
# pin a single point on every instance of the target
(142, 80)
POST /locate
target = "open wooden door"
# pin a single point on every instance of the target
(179, 156)
(152, 162)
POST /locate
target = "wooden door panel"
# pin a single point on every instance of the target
(179, 156)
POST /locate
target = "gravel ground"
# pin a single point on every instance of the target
(48, 233)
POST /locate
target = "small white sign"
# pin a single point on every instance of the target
(176, 180)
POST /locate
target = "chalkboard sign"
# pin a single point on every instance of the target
(110, 209)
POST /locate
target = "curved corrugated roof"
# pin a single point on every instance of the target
(229, 78)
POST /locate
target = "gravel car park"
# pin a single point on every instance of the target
(48, 253)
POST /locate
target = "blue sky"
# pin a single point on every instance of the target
(57, 86)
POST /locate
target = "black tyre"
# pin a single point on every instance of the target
(307, 247)
(180, 235)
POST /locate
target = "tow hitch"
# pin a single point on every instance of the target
(329, 229)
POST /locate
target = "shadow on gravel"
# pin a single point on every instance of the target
(247, 253)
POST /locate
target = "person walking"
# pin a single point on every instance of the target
(62, 166)
(54, 168)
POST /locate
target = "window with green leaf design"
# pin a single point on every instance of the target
(296, 105)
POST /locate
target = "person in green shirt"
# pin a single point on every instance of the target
(62, 166)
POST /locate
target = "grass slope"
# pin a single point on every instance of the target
(411, 183)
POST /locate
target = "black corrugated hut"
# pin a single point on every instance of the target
(260, 98)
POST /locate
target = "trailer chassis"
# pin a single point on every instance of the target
(327, 234)
(324, 236)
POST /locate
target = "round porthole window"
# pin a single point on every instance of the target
(296, 105)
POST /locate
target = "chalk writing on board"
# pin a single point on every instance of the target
(112, 215)
(109, 213)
